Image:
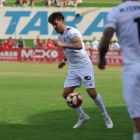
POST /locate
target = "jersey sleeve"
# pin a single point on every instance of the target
(74, 32)
(112, 19)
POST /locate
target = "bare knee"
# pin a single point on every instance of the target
(64, 95)
(136, 123)
(67, 91)
(92, 93)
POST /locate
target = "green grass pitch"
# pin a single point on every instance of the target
(32, 107)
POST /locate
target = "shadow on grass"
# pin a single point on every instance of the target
(57, 125)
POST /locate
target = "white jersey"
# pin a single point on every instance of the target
(94, 44)
(125, 19)
(77, 59)
(115, 46)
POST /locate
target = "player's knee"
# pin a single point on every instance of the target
(137, 127)
(137, 124)
(64, 95)
(92, 93)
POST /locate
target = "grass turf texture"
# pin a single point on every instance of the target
(32, 107)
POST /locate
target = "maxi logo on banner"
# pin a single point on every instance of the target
(39, 53)
(30, 23)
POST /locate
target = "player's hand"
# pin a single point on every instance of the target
(61, 65)
(101, 64)
(58, 43)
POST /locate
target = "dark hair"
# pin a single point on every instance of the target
(54, 16)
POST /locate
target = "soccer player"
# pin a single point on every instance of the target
(80, 67)
(125, 21)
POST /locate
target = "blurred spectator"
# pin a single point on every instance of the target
(63, 3)
(74, 3)
(115, 45)
(50, 44)
(1, 3)
(40, 44)
(36, 41)
(21, 43)
(94, 44)
(46, 44)
(49, 2)
(1, 44)
(77, 2)
(87, 45)
(58, 3)
(5, 44)
(10, 43)
(71, 3)
(18, 2)
(25, 2)
(32, 2)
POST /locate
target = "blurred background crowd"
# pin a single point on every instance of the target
(58, 3)
(48, 44)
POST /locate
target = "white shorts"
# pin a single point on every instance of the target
(131, 90)
(76, 77)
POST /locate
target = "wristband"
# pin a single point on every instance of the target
(63, 61)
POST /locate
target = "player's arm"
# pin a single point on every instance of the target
(62, 64)
(76, 43)
(104, 46)
(64, 59)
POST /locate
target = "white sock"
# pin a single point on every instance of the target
(80, 112)
(136, 136)
(99, 103)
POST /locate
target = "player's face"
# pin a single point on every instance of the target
(58, 25)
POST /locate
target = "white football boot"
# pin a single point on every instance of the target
(108, 121)
(81, 121)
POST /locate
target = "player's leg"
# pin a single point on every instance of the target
(66, 92)
(1, 5)
(87, 77)
(71, 82)
(97, 99)
(136, 124)
(131, 93)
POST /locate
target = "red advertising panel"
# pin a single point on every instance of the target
(10, 54)
(53, 55)
(42, 55)
(113, 57)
